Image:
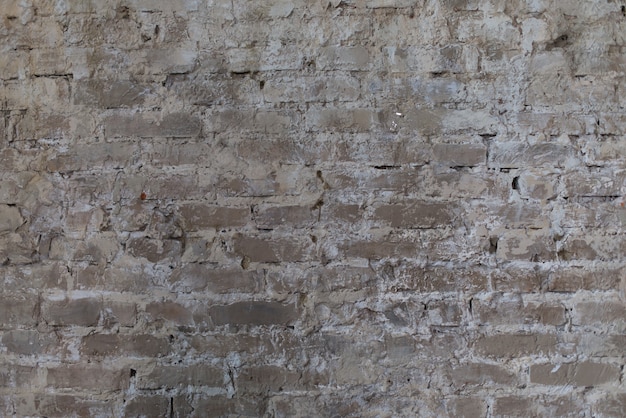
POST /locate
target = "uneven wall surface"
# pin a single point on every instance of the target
(365, 208)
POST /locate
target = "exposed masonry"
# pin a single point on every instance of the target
(365, 208)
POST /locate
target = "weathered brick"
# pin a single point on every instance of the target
(18, 310)
(268, 250)
(170, 311)
(57, 405)
(17, 376)
(353, 58)
(27, 342)
(612, 405)
(154, 250)
(81, 376)
(460, 155)
(202, 277)
(197, 216)
(291, 216)
(144, 126)
(506, 346)
(466, 407)
(512, 309)
(574, 278)
(148, 406)
(115, 344)
(514, 406)
(112, 94)
(416, 214)
(477, 374)
(606, 311)
(518, 155)
(10, 218)
(352, 120)
(585, 373)
(171, 377)
(253, 313)
(526, 245)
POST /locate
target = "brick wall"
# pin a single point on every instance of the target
(304, 208)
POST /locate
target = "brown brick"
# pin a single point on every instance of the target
(196, 277)
(92, 156)
(511, 309)
(346, 58)
(508, 346)
(416, 214)
(517, 155)
(460, 155)
(82, 312)
(439, 279)
(577, 374)
(10, 218)
(138, 345)
(605, 311)
(18, 310)
(466, 407)
(572, 278)
(289, 216)
(139, 125)
(197, 216)
(111, 94)
(272, 379)
(611, 405)
(526, 245)
(81, 376)
(253, 313)
(170, 377)
(477, 374)
(58, 406)
(170, 311)
(13, 375)
(514, 406)
(154, 250)
(28, 343)
(148, 406)
(276, 250)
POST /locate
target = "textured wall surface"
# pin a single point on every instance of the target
(365, 208)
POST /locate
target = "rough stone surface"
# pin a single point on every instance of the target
(298, 208)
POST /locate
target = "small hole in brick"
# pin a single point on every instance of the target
(515, 183)
(133, 372)
(261, 84)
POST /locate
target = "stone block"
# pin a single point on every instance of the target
(173, 125)
(460, 155)
(509, 346)
(138, 345)
(81, 377)
(196, 277)
(180, 376)
(267, 250)
(18, 310)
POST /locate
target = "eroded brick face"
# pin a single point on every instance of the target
(302, 208)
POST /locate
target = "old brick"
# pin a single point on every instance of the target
(139, 125)
(81, 376)
(253, 313)
(353, 120)
(18, 310)
(138, 345)
(26, 342)
(276, 250)
(77, 311)
(416, 214)
(10, 218)
(154, 250)
(148, 406)
(112, 94)
(607, 311)
(466, 407)
(611, 405)
(171, 377)
(291, 216)
(56, 405)
(196, 277)
(574, 278)
(506, 346)
(512, 309)
(345, 58)
(272, 379)
(170, 311)
(517, 155)
(514, 406)
(577, 374)
(477, 374)
(17, 376)
(526, 245)
(457, 155)
(197, 216)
